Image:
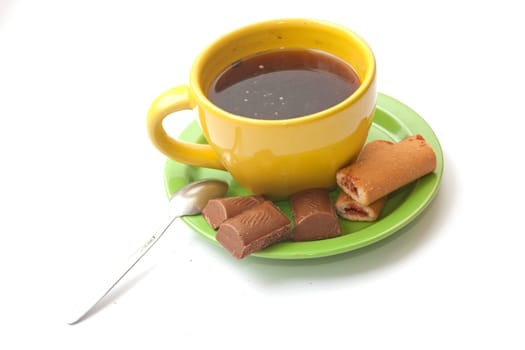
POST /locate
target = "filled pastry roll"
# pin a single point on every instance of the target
(351, 210)
(389, 167)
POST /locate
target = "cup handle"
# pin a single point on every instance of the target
(173, 100)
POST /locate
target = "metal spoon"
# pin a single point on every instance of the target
(189, 200)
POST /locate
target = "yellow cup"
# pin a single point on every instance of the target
(272, 157)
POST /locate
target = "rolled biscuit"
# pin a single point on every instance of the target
(372, 147)
(351, 210)
(387, 169)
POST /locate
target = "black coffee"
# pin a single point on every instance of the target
(283, 84)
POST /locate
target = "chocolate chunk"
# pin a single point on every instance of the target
(315, 216)
(219, 210)
(254, 229)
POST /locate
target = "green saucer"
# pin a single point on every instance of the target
(393, 121)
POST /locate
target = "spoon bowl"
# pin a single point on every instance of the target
(191, 199)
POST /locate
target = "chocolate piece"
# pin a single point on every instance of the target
(254, 229)
(315, 216)
(219, 210)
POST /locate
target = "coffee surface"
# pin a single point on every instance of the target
(283, 84)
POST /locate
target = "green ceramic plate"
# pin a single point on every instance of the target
(392, 121)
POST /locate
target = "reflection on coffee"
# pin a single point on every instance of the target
(283, 84)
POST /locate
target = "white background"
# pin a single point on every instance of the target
(81, 186)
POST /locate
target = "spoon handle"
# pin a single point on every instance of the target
(81, 311)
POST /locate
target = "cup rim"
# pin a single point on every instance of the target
(364, 85)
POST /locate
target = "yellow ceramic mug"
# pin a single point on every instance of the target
(272, 157)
